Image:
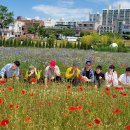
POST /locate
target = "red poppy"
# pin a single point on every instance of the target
(2, 81)
(119, 88)
(80, 77)
(116, 111)
(23, 92)
(81, 89)
(86, 111)
(4, 122)
(28, 119)
(123, 94)
(73, 108)
(107, 89)
(11, 106)
(32, 94)
(90, 125)
(127, 127)
(1, 101)
(97, 121)
(108, 93)
(10, 89)
(68, 86)
(33, 80)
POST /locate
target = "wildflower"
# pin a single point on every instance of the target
(10, 89)
(33, 80)
(68, 86)
(4, 122)
(127, 127)
(23, 92)
(116, 111)
(90, 125)
(86, 111)
(11, 106)
(1, 101)
(28, 119)
(81, 89)
(97, 121)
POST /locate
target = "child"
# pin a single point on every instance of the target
(99, 76)
(32, 76)
(124, 79)
(111, 77)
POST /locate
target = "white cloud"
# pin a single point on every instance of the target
(124, 4)
(37, 18)
(58, 12)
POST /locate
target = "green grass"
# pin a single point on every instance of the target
(48, 109)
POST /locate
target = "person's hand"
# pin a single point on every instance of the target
(100, 77)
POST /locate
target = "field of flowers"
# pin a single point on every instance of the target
(61, 106)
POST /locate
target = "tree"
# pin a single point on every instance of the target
(6, 17)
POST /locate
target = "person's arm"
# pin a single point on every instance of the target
(46, 77)
(17, 73)
(57, 71)
(92, 77)
(120, 80)
(4, 69)
(106, 77)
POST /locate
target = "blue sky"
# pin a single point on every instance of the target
(68, 9)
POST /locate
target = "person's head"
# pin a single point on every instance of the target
(88, 65)
(75, 66)
(31, 69)
(98, 69)
(52, 64)
(111, 68)
(128, 71)
(15, 65)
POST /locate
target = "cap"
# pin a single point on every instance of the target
(52, 63)
(88, 62)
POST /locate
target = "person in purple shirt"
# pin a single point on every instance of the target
(10, 70)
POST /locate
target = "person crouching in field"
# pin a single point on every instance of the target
(10, 71)
(87, 73)
(72, 74)
(124, 79)
(52, 73)
(111, 77)
(32, 75)
(99, 76)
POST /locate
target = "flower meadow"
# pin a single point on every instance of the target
(62, 106)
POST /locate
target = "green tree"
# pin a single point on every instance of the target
(6, 17)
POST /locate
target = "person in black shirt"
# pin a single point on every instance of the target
(99, 76)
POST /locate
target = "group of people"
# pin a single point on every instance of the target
(73, 74)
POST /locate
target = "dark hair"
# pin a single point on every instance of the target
(112, 67)
(99, 67)
(17, 63)
(128, 69)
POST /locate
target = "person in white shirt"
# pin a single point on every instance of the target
(52, 72)
(124, 79)
(111, 77)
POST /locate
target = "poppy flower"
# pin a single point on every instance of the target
(28, 119)
(4, 122)
(107, 89)
(86, 111)
(80, 89)
(23, 92)
(73, 108)
(123, 94)
(127, 127)
(90, 125)
(1, 101)
(97, 121)
(33, 80)
(11, 106)
(2, 81)
(68, 86)
(116, 111)
(10, 89)
(32, 94)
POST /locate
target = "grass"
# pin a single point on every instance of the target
(62, 107)
(32, 107)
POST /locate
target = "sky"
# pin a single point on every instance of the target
(56, 9)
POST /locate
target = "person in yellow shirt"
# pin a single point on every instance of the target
(72, 74)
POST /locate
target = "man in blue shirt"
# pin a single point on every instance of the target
(87, 73)
(10, 70)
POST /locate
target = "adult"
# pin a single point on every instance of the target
(10, 70)
(72, 74)
(52, 73)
